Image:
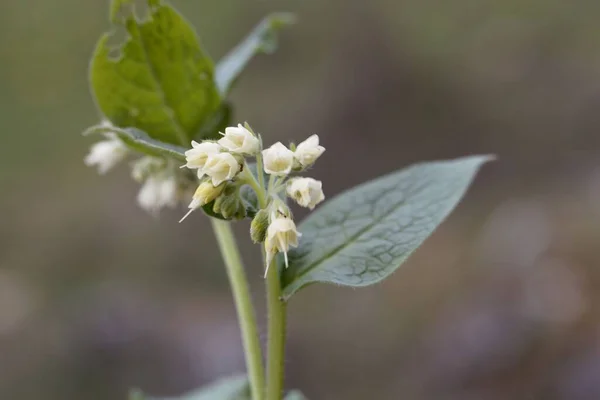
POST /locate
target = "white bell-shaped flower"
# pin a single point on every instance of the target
(307, 192)
(281, 234)
(278, 159)
(221, 167)
(200, 152)
(104, 155)
(308, 151)
(239, 140)
(157, 192)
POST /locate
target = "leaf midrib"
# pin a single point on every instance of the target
(180, 132)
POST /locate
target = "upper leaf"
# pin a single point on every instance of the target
(233, 388)
(159, 79)
(263, 39)
(364, 234)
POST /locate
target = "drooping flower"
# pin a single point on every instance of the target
(278, 159)
(308, 151)
(204, 194)
(281, 234)
(307, 192)
(104, 155)
(221, 167)
(158, 191)
(197, 156)
(239, 140)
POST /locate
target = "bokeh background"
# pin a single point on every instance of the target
(502, 302)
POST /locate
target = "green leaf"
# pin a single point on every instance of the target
(263, 39)
(295, 395)
(158, 79)
(140, 141)
(233, 388)
(363, 235)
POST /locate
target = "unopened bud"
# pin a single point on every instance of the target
(206, 193)
(229, 204)
(259, 225)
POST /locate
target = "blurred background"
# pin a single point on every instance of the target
(502, 302)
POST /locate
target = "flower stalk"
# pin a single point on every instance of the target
(243, 305)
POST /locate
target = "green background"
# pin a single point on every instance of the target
(502, 302)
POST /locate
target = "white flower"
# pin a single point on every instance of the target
(200, 152)
(278, 160)
(106, 154)
(221, 167)
(239, 140)
(307, 192)
(281, 234)
(157, 192)
(308, 151)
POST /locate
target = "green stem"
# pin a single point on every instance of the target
(276, 344)
(249, 178)
(276, 307)
(259, 166)
(243, 304)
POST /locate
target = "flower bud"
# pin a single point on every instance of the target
(259, 225)
(278, 160)
(230, 206)
(205, 193)
(239, 140)
(307, 152)
(307, 192)
(197, 156)
(221, 167)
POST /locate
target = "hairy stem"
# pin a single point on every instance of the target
(243, 304)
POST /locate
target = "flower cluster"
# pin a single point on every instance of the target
(220, 172)
(223, 169)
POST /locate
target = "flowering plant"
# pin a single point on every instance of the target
(164, 102)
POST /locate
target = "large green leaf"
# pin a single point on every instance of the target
(363, 235)
(159, 79)
(263, 39)
(233, 388)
